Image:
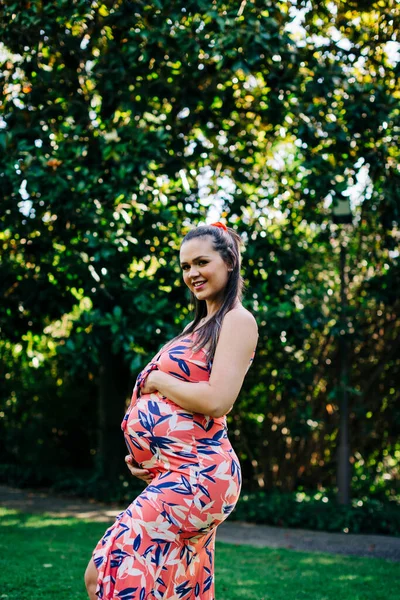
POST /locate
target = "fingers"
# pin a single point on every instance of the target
(142, 474)
(130, 462)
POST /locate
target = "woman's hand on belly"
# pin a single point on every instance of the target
(149, 386)
(142, 474)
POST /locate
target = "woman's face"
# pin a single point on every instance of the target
(204, 270)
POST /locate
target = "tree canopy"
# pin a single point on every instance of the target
(125, 123)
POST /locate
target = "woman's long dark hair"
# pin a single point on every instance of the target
(228, 244)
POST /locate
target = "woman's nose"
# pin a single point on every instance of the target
(193, 272)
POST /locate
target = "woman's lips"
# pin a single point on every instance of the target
(199, 287)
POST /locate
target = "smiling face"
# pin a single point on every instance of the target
(204, 270)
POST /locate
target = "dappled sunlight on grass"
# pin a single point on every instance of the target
(282, 574)
(322, 559)
(60, 548)
(14, 518)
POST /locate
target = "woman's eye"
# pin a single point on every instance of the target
(201, 262)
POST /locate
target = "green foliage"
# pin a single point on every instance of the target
(319, 511)
(121, 125)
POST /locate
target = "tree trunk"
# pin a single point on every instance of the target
(114, 382)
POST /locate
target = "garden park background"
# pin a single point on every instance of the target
(122, 125)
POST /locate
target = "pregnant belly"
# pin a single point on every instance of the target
(160, 435)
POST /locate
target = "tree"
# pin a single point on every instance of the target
(111, 112)
(127, 122)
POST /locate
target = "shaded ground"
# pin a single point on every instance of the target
(233, 532)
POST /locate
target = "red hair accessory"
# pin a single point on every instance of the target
(220, 225)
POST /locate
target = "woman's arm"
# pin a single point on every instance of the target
(237, 340)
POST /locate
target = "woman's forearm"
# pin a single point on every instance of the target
(195, 397)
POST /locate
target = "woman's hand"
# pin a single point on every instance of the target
(142, 474)
(150, 385)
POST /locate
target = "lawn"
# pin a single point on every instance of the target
(43, 558)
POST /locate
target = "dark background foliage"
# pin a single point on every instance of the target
(122, 125)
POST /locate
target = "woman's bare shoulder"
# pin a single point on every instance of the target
(187, 326)
(240, 314)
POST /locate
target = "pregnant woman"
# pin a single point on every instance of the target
(162, 546)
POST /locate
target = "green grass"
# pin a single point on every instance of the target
(43, 558)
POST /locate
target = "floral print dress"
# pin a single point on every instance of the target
(162, 546)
